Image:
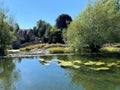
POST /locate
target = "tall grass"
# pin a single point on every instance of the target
(110, 49)
(39, 46)
(30, 47)
(59, 50)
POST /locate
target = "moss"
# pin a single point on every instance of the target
(111, 64)
(89, 63)
(77, 62)
(99, 63)
(65, 64)
(76, 66)
(100, 69)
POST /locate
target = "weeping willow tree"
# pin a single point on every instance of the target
(6, 30)
(97, 25)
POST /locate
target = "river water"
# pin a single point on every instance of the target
(35, 74)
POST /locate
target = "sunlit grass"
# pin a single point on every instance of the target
(100, 69)
(39, 46)
(110, 49)
(59, 50)
(30, 47)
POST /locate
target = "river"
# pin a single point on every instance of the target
(44, 73)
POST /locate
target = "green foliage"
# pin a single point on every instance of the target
(56, 35)
(42, 28)
(59, 50)
(25, 49)
(98, 24)
(63, 21)
(30, 47)
(6, 34)
(110, 49)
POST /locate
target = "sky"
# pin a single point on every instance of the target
(28, 12)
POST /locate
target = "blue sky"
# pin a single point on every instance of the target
(28, 12)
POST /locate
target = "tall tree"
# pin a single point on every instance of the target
(6, 34)
(98, 24)
(41, 28)
(63, 21)
(55, 35)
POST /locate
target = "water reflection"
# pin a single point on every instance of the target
(45, 60)
(32, 74)
(94, 80)
(8, 74)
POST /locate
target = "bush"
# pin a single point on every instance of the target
(59, 50)
(25, 49)
(28, 48)
(39, 46)
(110, 49)
(97, 25)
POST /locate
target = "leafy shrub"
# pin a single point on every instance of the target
(59, 50)
(39, 46)
(28, 48)
(110, 49)
(25, 49)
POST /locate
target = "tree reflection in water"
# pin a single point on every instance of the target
(8, 74)
(94, 80)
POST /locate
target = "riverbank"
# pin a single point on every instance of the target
(43, 51)
(56, 49)
(33, 53)
(19, 54)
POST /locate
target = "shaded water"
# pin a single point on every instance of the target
(33, 74)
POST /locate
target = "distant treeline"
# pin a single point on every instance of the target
(43, 32)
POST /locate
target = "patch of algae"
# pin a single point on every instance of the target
(101, 69)
(65, 64)
(90, 63)
(76, 66)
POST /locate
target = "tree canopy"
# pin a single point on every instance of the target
(41, 28)
(63, 21)
(6, 34)
(97, 25)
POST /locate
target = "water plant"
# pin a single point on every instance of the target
(100, 68)
(89, 63)
(59, 50)
(65, 64)
(76, 66)
(111, 64)
(77, 62)
(99, 63)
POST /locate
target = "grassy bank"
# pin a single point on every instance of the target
(62, 48)
(39, 46)
(115, 48)
(30, 47)
(59, 50)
